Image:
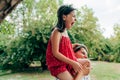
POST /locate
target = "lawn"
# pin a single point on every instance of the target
(105, 71)
(100, 71)
(26, 75)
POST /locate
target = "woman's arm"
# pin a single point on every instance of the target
(75, 44)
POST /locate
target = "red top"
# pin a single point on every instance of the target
(65, 47)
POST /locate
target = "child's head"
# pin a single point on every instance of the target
(66, 17)
(81, 51)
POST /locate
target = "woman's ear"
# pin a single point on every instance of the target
(64, 17)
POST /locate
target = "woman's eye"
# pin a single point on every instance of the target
(83, 52)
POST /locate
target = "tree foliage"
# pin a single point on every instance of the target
(116, 43)
(30, 26)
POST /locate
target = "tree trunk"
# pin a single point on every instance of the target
(6, 6)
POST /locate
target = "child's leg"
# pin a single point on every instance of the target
(79, 76)
(65, 76)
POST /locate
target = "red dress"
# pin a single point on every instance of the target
(56, 66)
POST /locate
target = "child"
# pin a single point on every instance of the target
(81, 53)
(60, 57)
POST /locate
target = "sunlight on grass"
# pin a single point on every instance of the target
(27, 76)
(105, 71)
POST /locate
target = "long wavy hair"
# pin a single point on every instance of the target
(63, 10)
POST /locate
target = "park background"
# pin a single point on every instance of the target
(25, 32)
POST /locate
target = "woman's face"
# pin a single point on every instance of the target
(81, 53)
(69, 19)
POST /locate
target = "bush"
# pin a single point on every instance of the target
(28, 47)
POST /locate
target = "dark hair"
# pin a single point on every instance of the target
(77, 48)
(63, 10)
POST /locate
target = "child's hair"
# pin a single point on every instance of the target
(63, 10)
(77, 48)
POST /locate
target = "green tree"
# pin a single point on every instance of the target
(87, 31)
(116, 40)
(7, 30)
(36, 21)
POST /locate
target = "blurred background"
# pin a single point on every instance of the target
(24, 34)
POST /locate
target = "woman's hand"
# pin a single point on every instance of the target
(86, 68)
(86, 65)
(75, 44)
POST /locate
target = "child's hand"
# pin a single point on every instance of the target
(77, 66)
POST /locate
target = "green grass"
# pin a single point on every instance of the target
(105, 71)
(100, 71)
(29, 75)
